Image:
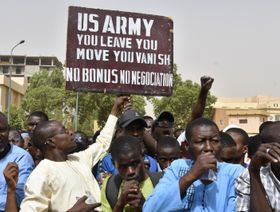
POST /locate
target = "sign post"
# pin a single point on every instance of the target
(119, 52)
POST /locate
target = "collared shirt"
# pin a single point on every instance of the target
(270, 183)
(218, 196)
(56, 186)
(25, 164)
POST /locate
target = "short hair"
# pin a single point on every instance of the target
(254, 144)
(40, 114)
(167, 142)
(42, 132)
(271, 133)
(124, 145)
(241, 132)
(226, 140)
(264, 125)
(198, 122)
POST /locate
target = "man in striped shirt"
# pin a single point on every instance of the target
(258, 187)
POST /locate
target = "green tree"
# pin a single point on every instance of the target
(17, 118)
(99, 105)
(47, 93)
(183, 99)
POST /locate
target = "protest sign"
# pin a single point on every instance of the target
(119, 52)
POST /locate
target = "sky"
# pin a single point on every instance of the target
(236, 42)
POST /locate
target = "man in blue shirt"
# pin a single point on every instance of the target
(201, 184)
(11, 153)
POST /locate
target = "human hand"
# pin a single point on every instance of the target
(119, 104)
(206, 83)
(11, 175)
(203, 162)
(136, 200)
(128, 189)
(81, 205)
(269, 152)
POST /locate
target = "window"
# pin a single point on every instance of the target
(243, 121)
(18, 60)
(277, 117)
(46, 61)
(32, 61)
(5, 59)
(18, 70)
(5, 70)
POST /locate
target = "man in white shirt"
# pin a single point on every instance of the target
(61, 181)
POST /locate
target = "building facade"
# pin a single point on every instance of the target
(26, 65)
(247, 113)
(21, 68)
(18, 88)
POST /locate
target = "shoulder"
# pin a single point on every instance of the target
(44, 167)
(178, 168)
(230, 169)
(18, 151)
(181, 163)
(107, 157)
(38, 175)
(21, 156)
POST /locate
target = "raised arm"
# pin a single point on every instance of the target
(206, 84)
(265, 154)
(120, 103)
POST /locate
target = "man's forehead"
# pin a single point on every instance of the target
(34, 119)
(205, 130)
(168, 150)
(128, 157)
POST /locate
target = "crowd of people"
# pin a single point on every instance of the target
(137, 163)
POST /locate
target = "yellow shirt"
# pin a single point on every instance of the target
(146, 188)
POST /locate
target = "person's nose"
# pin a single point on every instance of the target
(208, 146)
(135, 133)
(130, 171)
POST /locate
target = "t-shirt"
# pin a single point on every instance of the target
(56, 186)
(146, 188)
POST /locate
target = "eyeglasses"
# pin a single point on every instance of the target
(164, 124)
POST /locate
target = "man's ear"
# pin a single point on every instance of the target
(245, 149)
(186, 145)
(50, 143)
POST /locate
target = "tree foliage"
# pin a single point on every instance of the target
(182, 101)
(47, 93)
